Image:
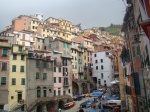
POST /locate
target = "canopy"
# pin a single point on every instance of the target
(113, 98)
(115, 81)
(96, 93)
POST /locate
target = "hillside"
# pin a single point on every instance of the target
(112, 29)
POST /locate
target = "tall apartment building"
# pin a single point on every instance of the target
(103, 68)
(17, 78)
(5, 50)
(64, 68)
(136, 55)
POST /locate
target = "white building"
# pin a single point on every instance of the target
(103, 68)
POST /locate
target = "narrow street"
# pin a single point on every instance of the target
(76, 107)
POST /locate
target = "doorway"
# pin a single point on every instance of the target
(19, 96)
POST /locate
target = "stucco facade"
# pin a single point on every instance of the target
(17, 77)
(39, 76)
(103, 68)
(5, 49)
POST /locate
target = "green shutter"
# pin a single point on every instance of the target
(37, 75)
(50, 46)
(59, 79)
(136, 83)
(37, 63)
(13, 68)
(5, 52)
(38, 93)
(13, 81)
(44, 75)
(22, 57)
(59, 69)
(20, 48)
(44, 64)
(14, 57)
(23, 81)
(3, 80)
(64, 45)
(22, 69)
(54, 79)
(54, 69)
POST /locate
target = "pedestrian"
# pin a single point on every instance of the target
(99, 105)
(81, 110)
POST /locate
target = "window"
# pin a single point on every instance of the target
(38, 40)
(14, 57)
(102, 67)
(22, 81)
(84, 57)
(59, 92)
(50, 46)
(4, 66)
(95, 61)
(44, 64)
(37, 75)
(68, 90)
(54, 69)
(65, 52)
(38, 46)
(38, 92)
(94, 55)
(4, 52)
(22, 57)
(44, 75)
(96, 67)
(101, 60)
(102, 76)
(37, 63)
(24, 23)
(44, 92)
(20, 48)
(13, 68)
(54, 79)
(59, 79)
(54, 92)
(104, 81)
(112, 66)
(3, 80)
(13, 81)
(59, 69)
(21, 68)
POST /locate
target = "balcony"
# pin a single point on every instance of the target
(66, 84)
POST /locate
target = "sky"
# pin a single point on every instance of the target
(90, 13)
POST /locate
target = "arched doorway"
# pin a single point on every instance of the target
(50, 106)
(39, 108)
(75, 88)
(61, 104)
(84, 88)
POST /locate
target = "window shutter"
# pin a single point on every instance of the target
(22, 69)
(22, 57)
(13, 68)
(37, 75)
(3, 80)
(37, 63)
(44, 75)
(5, 51)
(44, 64)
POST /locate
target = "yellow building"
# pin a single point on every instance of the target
(34, 24)
(17, 78)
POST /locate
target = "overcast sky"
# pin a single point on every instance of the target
(90, 13)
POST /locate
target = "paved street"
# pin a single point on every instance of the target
(76, 107)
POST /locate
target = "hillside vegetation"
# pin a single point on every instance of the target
(112, 29)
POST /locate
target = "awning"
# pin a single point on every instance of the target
(146, 27)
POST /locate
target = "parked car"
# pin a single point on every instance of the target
(78, 97)
(87, 95)
(83, 105)
(69, 105)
